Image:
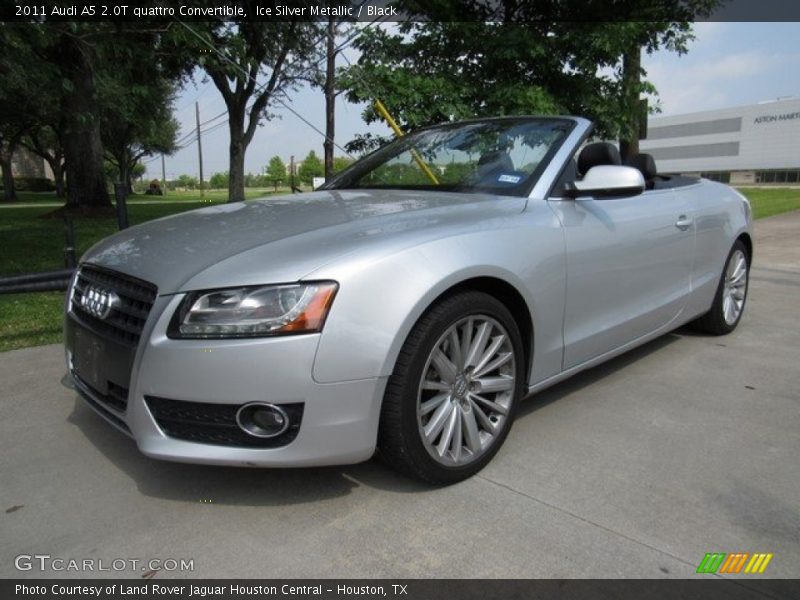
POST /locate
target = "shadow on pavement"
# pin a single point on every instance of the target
(586, 378)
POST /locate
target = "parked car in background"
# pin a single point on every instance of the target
(408, 305)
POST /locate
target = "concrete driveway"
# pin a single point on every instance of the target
(637, 468)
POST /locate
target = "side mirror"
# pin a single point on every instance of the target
(607, 181)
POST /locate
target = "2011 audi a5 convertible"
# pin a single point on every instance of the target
(407, 306)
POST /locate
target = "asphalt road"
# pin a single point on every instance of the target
(637, 468)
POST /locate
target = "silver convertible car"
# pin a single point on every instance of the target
(406, 307)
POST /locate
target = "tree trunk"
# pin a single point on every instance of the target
(9, 191)
(631, 83)
(83, 149)
(58, 176)
(237, 149)
(124, 168)
(330, 98)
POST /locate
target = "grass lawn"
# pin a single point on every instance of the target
(30, 244)
(772, 201)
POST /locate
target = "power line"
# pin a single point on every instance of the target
(189, 138)
(262, 86)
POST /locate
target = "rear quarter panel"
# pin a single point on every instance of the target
(721, 215)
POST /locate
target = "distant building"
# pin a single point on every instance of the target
(25, 163)
(755, 144)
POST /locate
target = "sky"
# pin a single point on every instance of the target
(728, 64)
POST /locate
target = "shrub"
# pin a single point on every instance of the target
(34, 184)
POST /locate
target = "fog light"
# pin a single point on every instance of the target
(262, 420)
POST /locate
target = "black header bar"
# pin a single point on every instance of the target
(390, 10)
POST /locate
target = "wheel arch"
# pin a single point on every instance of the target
(500, 289)
(748, 244)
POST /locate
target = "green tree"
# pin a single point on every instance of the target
(534, 57)
(340, 163)
(310, 167)
(253, 65)
(45, 141)
(136, 114)
(187, 181)
(18, 111)
(218, 180)
(81, 79)
(276, 171)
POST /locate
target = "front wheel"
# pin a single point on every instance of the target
(729, 301)
(450, 401)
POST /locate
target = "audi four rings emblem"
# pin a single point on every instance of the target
(98, 302)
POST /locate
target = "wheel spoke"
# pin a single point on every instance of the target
(440, 386)
(472, 436)
(494, 406)
(458, 439)
(497, 341)
(456, 354)
(491, 385)
(447, 432)
(478, 344)
(727, 306)
(739, 273)
(466, 340)
(494, 365)
(437, 421)
(485, 422)
(446, 369)
(433, 403)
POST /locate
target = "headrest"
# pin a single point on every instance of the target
(645, 163)
(598, 153)
(496, 159)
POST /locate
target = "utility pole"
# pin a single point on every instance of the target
(330, 97)
(291, 172)
(199, 148)
(163, 176)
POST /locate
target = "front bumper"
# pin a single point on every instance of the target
(339, 420)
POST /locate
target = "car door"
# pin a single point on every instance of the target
(629, 263)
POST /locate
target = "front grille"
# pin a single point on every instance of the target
(126, 320)
(216, 423)
(99, 401)
(116, 398)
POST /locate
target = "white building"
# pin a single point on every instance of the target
(756, 144)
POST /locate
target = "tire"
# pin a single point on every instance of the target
(428, 398)
(731, 295)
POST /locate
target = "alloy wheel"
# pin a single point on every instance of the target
(467, 389)
(735, 287)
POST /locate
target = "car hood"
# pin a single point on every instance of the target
(281, 238)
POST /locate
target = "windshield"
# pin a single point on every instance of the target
(502, 156)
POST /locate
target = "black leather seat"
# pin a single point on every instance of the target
(646, 165)
(597, 154)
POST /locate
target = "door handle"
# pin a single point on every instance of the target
(683, 223)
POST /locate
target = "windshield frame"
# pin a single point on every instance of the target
(344, 180)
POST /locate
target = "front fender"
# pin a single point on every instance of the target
(379, 302)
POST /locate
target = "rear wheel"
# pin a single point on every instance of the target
(450, 401)
(729, 301)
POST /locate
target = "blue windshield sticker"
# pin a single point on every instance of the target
(509, 178)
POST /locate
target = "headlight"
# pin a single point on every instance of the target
(254, 311)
